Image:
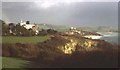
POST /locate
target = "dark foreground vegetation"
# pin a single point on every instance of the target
(47, 55)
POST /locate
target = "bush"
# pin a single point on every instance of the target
(42, 32)
(20, 50)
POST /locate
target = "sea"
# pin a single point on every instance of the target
(111, 37)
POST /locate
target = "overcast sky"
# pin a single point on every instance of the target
(68, 13)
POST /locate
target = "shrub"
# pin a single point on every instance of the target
(20, 50)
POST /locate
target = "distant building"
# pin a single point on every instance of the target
(22, 23)
(73, 31)
(34, 27)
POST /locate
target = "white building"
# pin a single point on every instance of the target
(22, 23)
(29, 26)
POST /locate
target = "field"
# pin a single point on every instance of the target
(29, 40)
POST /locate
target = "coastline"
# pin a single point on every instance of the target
(93, 36)
(111, 37)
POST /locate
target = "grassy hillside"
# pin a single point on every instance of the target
(99, 28)
(31, 40)
(8, 62)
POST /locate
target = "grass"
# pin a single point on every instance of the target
(9, 62)
(0, 62)
(29, 40)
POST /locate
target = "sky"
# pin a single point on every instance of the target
(62, 12)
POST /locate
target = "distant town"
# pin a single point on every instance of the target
(34, 29)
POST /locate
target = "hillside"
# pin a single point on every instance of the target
(84, 28)
(100, 29)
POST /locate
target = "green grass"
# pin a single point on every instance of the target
(29, 40)
(0, 62)
(8, 62)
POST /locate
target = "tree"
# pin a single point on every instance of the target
(27, 22)
(5, 28)
(51, 31)
(11, 26)
(31, 32)
(43, 32)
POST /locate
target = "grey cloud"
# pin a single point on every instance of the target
(75, 14)
(62, 0)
